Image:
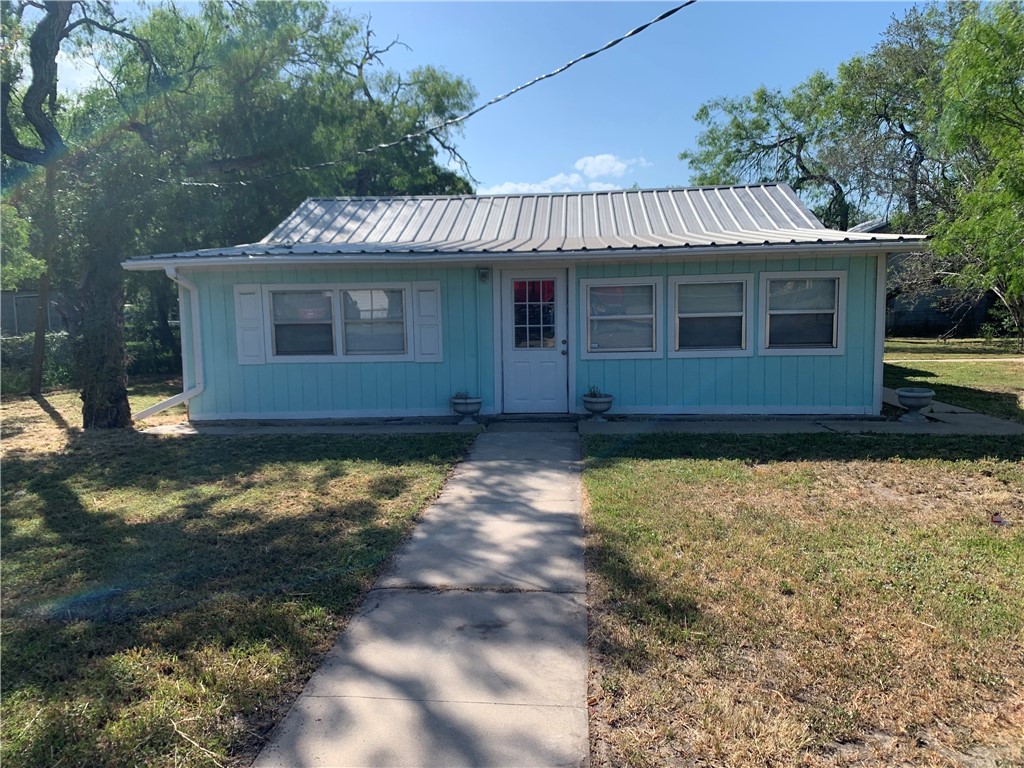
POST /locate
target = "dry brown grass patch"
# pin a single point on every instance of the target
(821, 611)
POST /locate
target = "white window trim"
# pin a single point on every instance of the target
(659, 317)
(747, 349)
(840, 322)
(335, 290)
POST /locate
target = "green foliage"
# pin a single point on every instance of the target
(770, 136)
(16, 360)
(927, 129)
(984, 236)
(273, 102)
(18, 266)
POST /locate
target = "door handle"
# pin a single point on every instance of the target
(565, 352)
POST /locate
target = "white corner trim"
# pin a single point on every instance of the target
(882, 268)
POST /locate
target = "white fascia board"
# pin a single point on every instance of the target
(442, 257)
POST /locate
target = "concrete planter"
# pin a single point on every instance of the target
(914, 399)
(597, 405)
(467, 407)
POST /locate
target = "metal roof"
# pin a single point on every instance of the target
(580, 223)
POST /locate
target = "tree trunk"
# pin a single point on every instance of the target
(48, 245)
(35, 385)
(101, 355)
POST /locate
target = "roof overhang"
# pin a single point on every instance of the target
(261, 255)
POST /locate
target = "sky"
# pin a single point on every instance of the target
(622, 117)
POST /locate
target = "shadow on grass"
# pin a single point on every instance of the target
(1003, 405)
(249, 542)
(55, 416)
(638, 600)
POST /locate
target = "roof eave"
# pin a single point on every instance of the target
(160, 262)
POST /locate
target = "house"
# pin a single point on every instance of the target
(935, 313)
(720, 300)
(18, 313)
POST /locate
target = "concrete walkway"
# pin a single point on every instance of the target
(944, 419)
(472, 650)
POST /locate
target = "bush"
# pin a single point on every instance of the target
(145, 357)
(16, 363)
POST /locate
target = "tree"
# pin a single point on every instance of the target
(106, 403)
(771, 136)
(888, 109)
(981, 240)
(263, 103)
(18, 265)
(925, 129)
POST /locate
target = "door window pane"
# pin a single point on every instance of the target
(533, 313)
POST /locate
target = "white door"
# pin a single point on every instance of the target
(535, 352)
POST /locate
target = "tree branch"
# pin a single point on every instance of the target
(44, 44)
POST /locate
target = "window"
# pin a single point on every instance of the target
(803, 313)
(711, 314)
(386, 322)
(620, 318)
(533, 313)
(374, 321)
(303, 323)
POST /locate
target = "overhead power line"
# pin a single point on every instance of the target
(438, 126)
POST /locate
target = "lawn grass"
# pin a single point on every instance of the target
(164, 599)
(987, 377)
(817, 600)
(910, 348)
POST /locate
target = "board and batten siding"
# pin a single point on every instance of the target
(342, 389)
(765, 384)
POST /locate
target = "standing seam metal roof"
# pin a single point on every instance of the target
(766, 214)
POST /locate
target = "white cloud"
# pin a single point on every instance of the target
(594, 166)
(590, 168)
(561, 182)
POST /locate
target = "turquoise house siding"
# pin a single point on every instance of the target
(799, 383)
(756, 384)
(341, 389)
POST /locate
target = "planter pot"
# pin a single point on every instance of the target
(597, 405)
(914, 399)
(467, 407)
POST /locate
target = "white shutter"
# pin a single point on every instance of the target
(426, 321)
(249, 324)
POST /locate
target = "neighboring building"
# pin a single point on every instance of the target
(928, 315)
(18, 313)
(721, 300)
